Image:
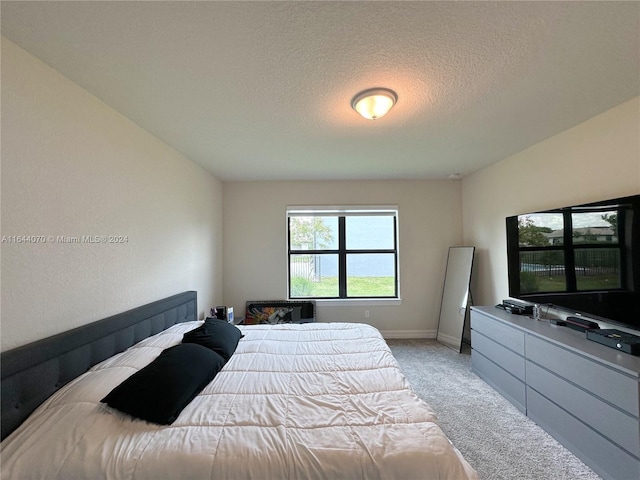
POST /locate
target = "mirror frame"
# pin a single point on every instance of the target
(456, 297)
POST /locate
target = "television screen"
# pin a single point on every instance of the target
(584, 259)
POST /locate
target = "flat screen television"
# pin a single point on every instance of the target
(583, 259)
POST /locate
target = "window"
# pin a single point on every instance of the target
(343, 253)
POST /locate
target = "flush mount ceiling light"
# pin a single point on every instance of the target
(374, 103)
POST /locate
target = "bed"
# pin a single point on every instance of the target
(315, 400)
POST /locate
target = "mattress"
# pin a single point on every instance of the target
(312, 401)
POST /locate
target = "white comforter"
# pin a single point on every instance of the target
(312, 401)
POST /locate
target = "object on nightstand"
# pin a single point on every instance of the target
(222, 312)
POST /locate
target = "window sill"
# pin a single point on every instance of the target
(358, 302)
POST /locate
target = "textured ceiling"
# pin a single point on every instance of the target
(262, 90)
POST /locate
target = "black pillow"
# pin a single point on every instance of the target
(161, 390)
(218, 335)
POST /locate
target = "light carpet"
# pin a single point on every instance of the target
(496, 438)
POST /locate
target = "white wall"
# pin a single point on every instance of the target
(255, 257)
(596, 160)
(73, 166)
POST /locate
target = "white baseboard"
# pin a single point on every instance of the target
(397, 334)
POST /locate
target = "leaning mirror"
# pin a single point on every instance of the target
(455, 296)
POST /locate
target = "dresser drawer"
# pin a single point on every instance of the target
(614, 387)
(507, 359)
(509, 386)
(604, 457)
(499, 332)
(612, 423)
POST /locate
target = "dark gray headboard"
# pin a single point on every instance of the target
(33, 372)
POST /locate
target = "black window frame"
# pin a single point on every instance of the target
(342, 251)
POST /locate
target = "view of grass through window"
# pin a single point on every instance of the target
(328, 287)
(368, 253)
